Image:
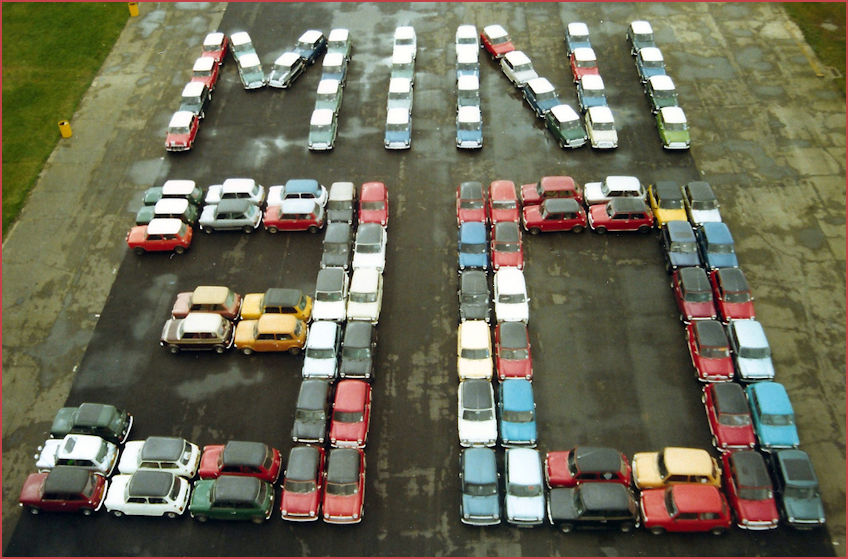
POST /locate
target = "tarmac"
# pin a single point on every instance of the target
(61, 257)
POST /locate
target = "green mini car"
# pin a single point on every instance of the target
(564, 123)
(673, 128)
(232, 498)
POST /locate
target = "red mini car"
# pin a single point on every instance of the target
(749, 490)
(729, 416)
(300, 214)
(351, 414)
(503, 203)
(374, 204)
(344, 494)
(555, 214)
(496, 41)
(240, 458)
(215, 46)
(64, 489)
(732, 294)
(621, 214)
(303, 484)
(205, 70)
(685, 507)
(583, 62)
(710, 350)
(161, 234)
(569, 468)
(512, 351)
(507, 249)
(182, 131)
(693, 293)
(550, 187)
(471, 203)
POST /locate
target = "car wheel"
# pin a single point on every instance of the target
(171, 514)
(138, 250)
(626, 527)
(87, 512)
(566, 528)
(313, 229)
(247, 229)
(220, 349)
(535, 230)
(201, 518)
(714, 441)
(577, 229)
(717, 531)
(644, 229)
(258, 519)
(179, 249)
(246, 351)
(294, 350)
(208, 230)
(202, 114)
(658, 530)
(34, 511)
(601, 230)
(117, 514)
(174, 349)
(272, 230)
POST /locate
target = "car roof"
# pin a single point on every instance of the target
(248, 59)
(338, 34)
(203, 64)
(750, 468)
(466, 54)
(797, 467)
(213, 38)
(673, 115)
(772, 397)
(700, 190)
(322, 332)
(333, 59)
(622, 182)
(364, 280)
(473, 281)
(662, 82)
(561, 205)
(750, 333)
(328, 86)
(732, 279)
(178, 187)
(517, 57)
(641, 27)
(517, 394)
(170, 206)
(540, 85)
(313, 394)
(696, 498)
(467, 82)
(494, 31)
(584, 54)
(600, 496)
(238, 185)
(601, 114)
(399, 85)
(471, 190)
(403, 56)
(322, 117)
(694, 278)
(710, 333)
(287, 58)
(628, 204)
(197, 322)
(303, 463)
(717, 232)
(342, 190)
(236, 489)
(66, 479)
(162, 448)
(241, 205)
(244, 453)
(351, 393)
(468, 114)
(564, 113)
(209, 294)
(181, 119)
(164, 226)
(281, 296)
(524, 466)
(474, 333)
(507, 232)
(679, 230)
(338, 232)
(329, 278)
(472, 232)
(668, 190)
(310, 36)
(510, 276)
(369, 233)
(372, 188)
(577, 28)
(79, 446)
(597, 459)
(194, 89)
(240, 38)
(302, 185)
(689, 460)
(729, 397)
(275, 322)
(94, 415)
(651, 54)
(512, 334)
(477, 394)
(480, 465)
(344, 465)
(404, 32)
(358, 333)
(148, 483)
(466, 30)
(591, 81)
(397, 116)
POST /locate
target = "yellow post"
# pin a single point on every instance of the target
(65, 128)
(133, 6)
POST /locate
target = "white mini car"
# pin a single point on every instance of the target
(614, 186)
(331, 289)
(323, 344)
(518, 68)
(405, 40)
(600, 127)
(366, 295)
(467, 35)
(147, 493)
(236, 189)
(169, 454)
(524, 502)
(250, 71)
(474, 350)
(82, 451)
(476, 419)
(511, 301)
(369, 250)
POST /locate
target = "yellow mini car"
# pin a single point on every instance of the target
(271, 332)
(666, 201)
(674, 465)
(277, 301)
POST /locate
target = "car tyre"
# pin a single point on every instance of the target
(246, 351)
(174, 349)
(294, 350)
(566, 527)
(201, 518)
(601, 230)
(117, 514)
(577, 229)
(313, 229)
(208, 230)
(170, 514)
(272, 230)
(627, 527)
(535, 230)
(258, 519)
(87, 512)
(220, 349)
(644, 229)
(658, 530)
(247, 229)
(717, 531)
(34, 511)
(179, 249)
(714, 441)
(139, 250)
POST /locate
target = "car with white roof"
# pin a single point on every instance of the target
(310, 45)
(298, 188)
(250, 71)
(600, 127)
(398, 129)
(366, 295)
(173, 188)
(590, 92)
(583, 61)
(334, 67)
(321, 353)
(182, 131)
(661, 92)
(613, 186)
(195, 98)
(649, 62)
(81, 451)
(469, 128)
(339, 41)
(576, 36)
(640, 34)
(540, 94)
(673, 128)
(466, 34)
(476, 420)
(197, 331)
(474, 350)
(329, 95)
(564, 123)
(369, 249)
(176, 208)
(215, 46)
(287, 68)
(205, 70)
(403, 65)
(240, 44)
(400, 94)
(236, 189)
(169, 454)
(341, 202)
(467, 92)
(405, 39)
(330, 301)
(524, 499)
(496, 40)
(518, 68)
(751, 351)
(467, 61)
(511, 301)
(323, 127)
(147, 493)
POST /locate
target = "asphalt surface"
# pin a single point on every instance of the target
(609, 354)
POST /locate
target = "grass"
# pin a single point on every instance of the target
(823, 26)
(51, 53)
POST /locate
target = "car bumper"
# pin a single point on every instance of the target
(320, 147)
(604, 145)
(469, 145)
(397, 145)
(677, 145)
(177, 148)
(481, 520)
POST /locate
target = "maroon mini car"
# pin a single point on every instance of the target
(555, 214)
(240, 458)
(749, 490)
(728, 416)
(693, 294)
(215, 46)
(351, 414)
(205, 70)
(685, 507)
(344, 494)
(732, 294)
(496, 41)
(550, 187)
(503, 202)
(64, 489)
(303, 484)
(513, 358)
(471, 203)
(182, 131)
(621, 214)
(569, 468)
(710, 350)
(300, 214)
(374, 204)
(507, 249)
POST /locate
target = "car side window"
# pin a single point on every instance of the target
(136, 500)
(687, 516)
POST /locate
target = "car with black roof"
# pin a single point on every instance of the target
(593, 505)
(312, 411)
(359, 347)
(103, 420)
(338, 241)
(147, 493)
(474, 295)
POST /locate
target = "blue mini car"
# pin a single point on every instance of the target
(716, 245)
(478, 477)
(311, 45)
(774, 419)
(469, 128)
(517, 411)
(473, 245)
(590, 92)
(679, 246)
(798, 488)
(540, 95)
(398, 129)
(649, 62)
(576, 36)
